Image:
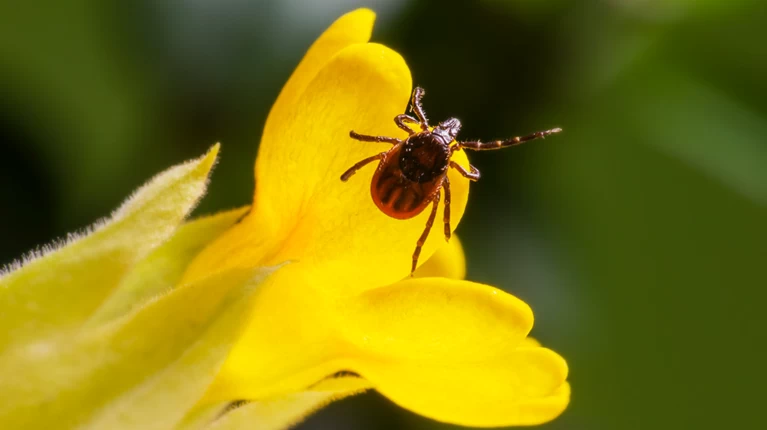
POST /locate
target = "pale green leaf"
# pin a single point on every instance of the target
(286, 411)
(203, 415)
(59, 289)
(145, 370)
(161, 270)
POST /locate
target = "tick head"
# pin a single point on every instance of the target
(448, 129)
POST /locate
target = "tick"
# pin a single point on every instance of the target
(413, 173)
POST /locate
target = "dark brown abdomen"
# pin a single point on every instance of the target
(397, 196)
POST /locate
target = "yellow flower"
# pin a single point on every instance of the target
(448, 349)
(146, 322)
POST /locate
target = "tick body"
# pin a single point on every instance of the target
(409, 175)
(413, 173)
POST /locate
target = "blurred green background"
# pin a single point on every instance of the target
(638, 236)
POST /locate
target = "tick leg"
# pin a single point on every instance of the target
(425, 234)
(415, 106)
(352, 170)
(472, 176)
(446, 187)
(401, 119)
(498, 144)
(365, 138)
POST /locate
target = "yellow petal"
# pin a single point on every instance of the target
(529, 342)
(540, 409)
(353, 28)
(450, 350)
(432, 318)
(523, 388)
(283, 412)
(326, 332)
(460, 344)
(303, 211)
(61, 289)
(448, 262)
(288, 346)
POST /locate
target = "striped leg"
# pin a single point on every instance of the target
(472, 176)
(365, 138)
(425, 234)
(352, 170)
(498, 144)
(402, 120)
(415, 106)
(446, 219)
